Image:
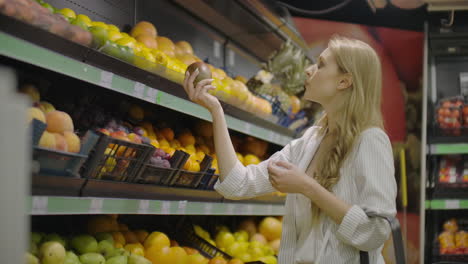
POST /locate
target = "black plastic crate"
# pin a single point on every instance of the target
(208, 180)
(115, 159)
(191, 179)
(162, 176)
(186, 235)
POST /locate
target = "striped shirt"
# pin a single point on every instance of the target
(367, 182)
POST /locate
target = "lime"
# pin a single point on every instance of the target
(85, 19)
(100, 36)
(126, 41)
(99, 24)
(80, 23)
(67, 12)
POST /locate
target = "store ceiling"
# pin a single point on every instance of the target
(360, 12)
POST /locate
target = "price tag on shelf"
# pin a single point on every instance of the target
(95, 207)
(452, 204)
(39, 205)
(166, 207)
(230, 209)
(138, 90)
(208, 208)
(182, 207)
(151, 95)
(143, 207)
(216, 49)
(269, 209)
(249, 209)
(248, 128)
(106, 79)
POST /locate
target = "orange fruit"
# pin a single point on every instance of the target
(166, 45)
(190, 251)
(217, 260)
(157, 240)
(130, 237)
(148, 41)
(141, 235)
(101, 223)
(174, 243)
(196, 259)
(186, 138)
(144, 27)
(271, 228)
(118, 238)
(168, 133)
(185, 47)
(158, 256)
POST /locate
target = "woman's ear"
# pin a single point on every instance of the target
(346, 81)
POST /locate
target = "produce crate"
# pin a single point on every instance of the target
(162, 176)
(186, 236)
(450, 118)
(208, 180)
(37, 129)
(191, 179)
(115, 159)
(61, 163)
(438, 256)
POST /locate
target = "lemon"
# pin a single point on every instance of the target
(67, 12)
(100, 35)
(99, 24)
(126, 41)
(160, 57)
(85, 19)
(80, 23)
(113, 35)
(113, 27)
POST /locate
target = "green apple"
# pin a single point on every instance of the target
(31, 259)
(137, 259)
(84, 244)
(106, 248)
(92, 258)
(116, 252)
(52, 252)
(36, 237)
(33, 249)
(105, 236)
(71, 258)
(117, 260)
(55, 237)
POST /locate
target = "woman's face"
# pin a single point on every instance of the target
(323, 79)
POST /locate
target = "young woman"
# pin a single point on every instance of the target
(336, 172)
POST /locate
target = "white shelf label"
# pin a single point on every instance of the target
(143, 207)
(106, 79)
(270, 209)
(96, 206)
(216, 49)
(166, 207)
(230, 209)
(39, 205)
(452, 204)
(138, 90)
(151, 95)
(231, 58)
(182, 207)
(208, 208)
(248, 128)
(249, 209)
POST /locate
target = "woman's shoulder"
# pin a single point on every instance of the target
(372, 136)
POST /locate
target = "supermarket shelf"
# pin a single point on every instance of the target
(452, 204)
(50, 205)
(453, 148)
(124, 82)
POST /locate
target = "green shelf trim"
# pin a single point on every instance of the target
(457, 148)
(30, 53)
(448, 204)
(53, 205)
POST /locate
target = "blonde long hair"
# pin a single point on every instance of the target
(360, 109)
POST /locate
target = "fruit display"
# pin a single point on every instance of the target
(454, 238)
(250, 242)
(452, 116)
(108, 241)
(453, 169)
(59, 133)
(44, 16)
